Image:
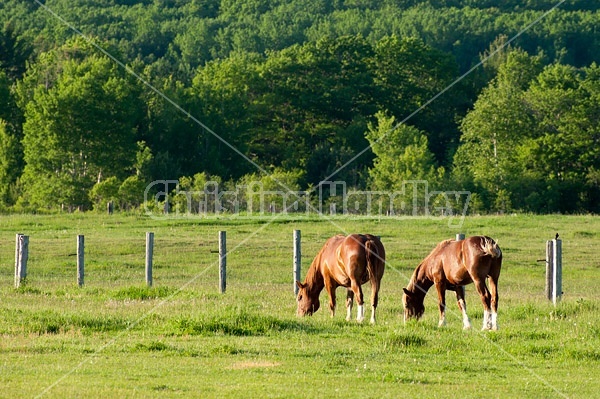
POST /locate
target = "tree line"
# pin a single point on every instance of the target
(214, 89)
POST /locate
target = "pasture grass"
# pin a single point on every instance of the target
(116, 337)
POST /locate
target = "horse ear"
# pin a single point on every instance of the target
(407, 292)
(300, 285)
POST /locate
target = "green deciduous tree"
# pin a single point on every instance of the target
(532, 139)
(408, 74)
(14, 51)
(314, 103)
(9, 170)
(131, 193)
(196, 194)
(104, 192)
(11, 150)
(498, 123)
(404, 167)
(220, 97)
(563, 102)
(402, 154)
(80, 127)
(276, 192)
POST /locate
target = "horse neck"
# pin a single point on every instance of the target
(314, 278)
(419, 282)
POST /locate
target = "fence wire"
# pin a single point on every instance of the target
(262, 259)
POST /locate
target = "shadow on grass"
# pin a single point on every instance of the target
(51, 322)
(238, 322)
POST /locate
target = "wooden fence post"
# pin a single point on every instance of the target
(554, 270)
(24, 255)
(80, 260)
(460, 236)
(21, 256)
(297, 259)
(557, 271)
(17, 260)
(222, 261)
(549, 269)
(149, 254)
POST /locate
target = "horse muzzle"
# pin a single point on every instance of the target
(302, 313)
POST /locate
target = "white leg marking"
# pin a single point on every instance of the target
(466, 320)
(494, 321)
(442, 322)
(486, 320)
(372, 314)
(360, 316)
(466, 323)
(349, 312)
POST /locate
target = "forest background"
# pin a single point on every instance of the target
(100, 98)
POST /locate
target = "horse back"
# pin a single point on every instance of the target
(482, 257)
(462, 262)
(446, 263)
(346, 258)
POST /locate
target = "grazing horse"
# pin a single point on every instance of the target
(451, 266)
(348, 262)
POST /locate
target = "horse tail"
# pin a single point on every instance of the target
(373, 257)
(490, 247)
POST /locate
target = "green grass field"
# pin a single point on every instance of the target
(114, 337)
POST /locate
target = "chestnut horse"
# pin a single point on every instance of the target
(348, 262)
(451, 266)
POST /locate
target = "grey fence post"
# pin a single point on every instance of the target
(17, 273)
(222, 261)
(297, 259)
(21, 256)
(80, 260)
(554, 270)
(557, 271)
(549, 269)
(149, 254)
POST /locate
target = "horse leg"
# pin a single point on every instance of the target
(462, 305)
(486, 299)
(441, 290)
(331, 292)
(494, 302)
(349, 303)
(358, 294)
(374, 298)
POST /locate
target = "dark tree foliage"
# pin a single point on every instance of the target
(224, 86)
(14, 52)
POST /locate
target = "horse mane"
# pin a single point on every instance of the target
(413, 279)
(314, 277)
(416, 274)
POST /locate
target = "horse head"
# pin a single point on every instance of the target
(413, 305)
(307, 303)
